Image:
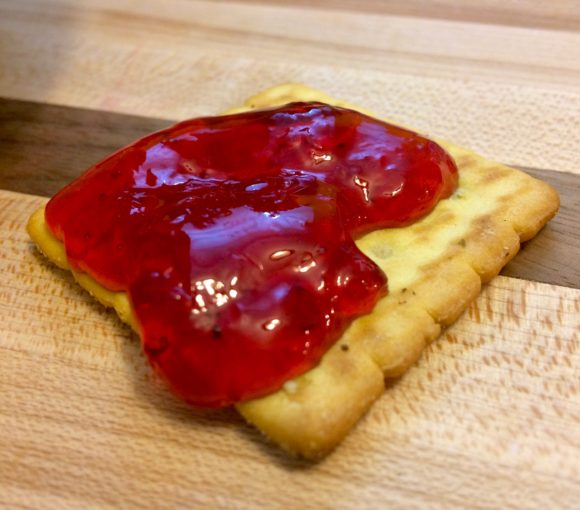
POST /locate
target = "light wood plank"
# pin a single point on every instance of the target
(491, 412)
(511, 93)
(556, 14)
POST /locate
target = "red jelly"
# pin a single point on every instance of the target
(234, 235)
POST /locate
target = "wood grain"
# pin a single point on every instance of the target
(490, 417)
(511, 93)
(43, 147)
(494, 404)
(557, 14)
(553, 256)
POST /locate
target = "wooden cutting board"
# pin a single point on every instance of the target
(489, 417)
(84, 422)
(494, 403)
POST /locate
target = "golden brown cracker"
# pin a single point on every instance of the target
(435, 268)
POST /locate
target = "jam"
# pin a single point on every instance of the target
(233, 237)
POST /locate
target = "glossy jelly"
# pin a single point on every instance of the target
(233, 236)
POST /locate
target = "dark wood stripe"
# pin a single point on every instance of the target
(553, 256)
(42, 147)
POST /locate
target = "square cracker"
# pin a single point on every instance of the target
(435, 268)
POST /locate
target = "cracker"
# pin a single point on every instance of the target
(435, 267)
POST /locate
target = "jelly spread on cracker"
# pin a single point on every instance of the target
(234, 237)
